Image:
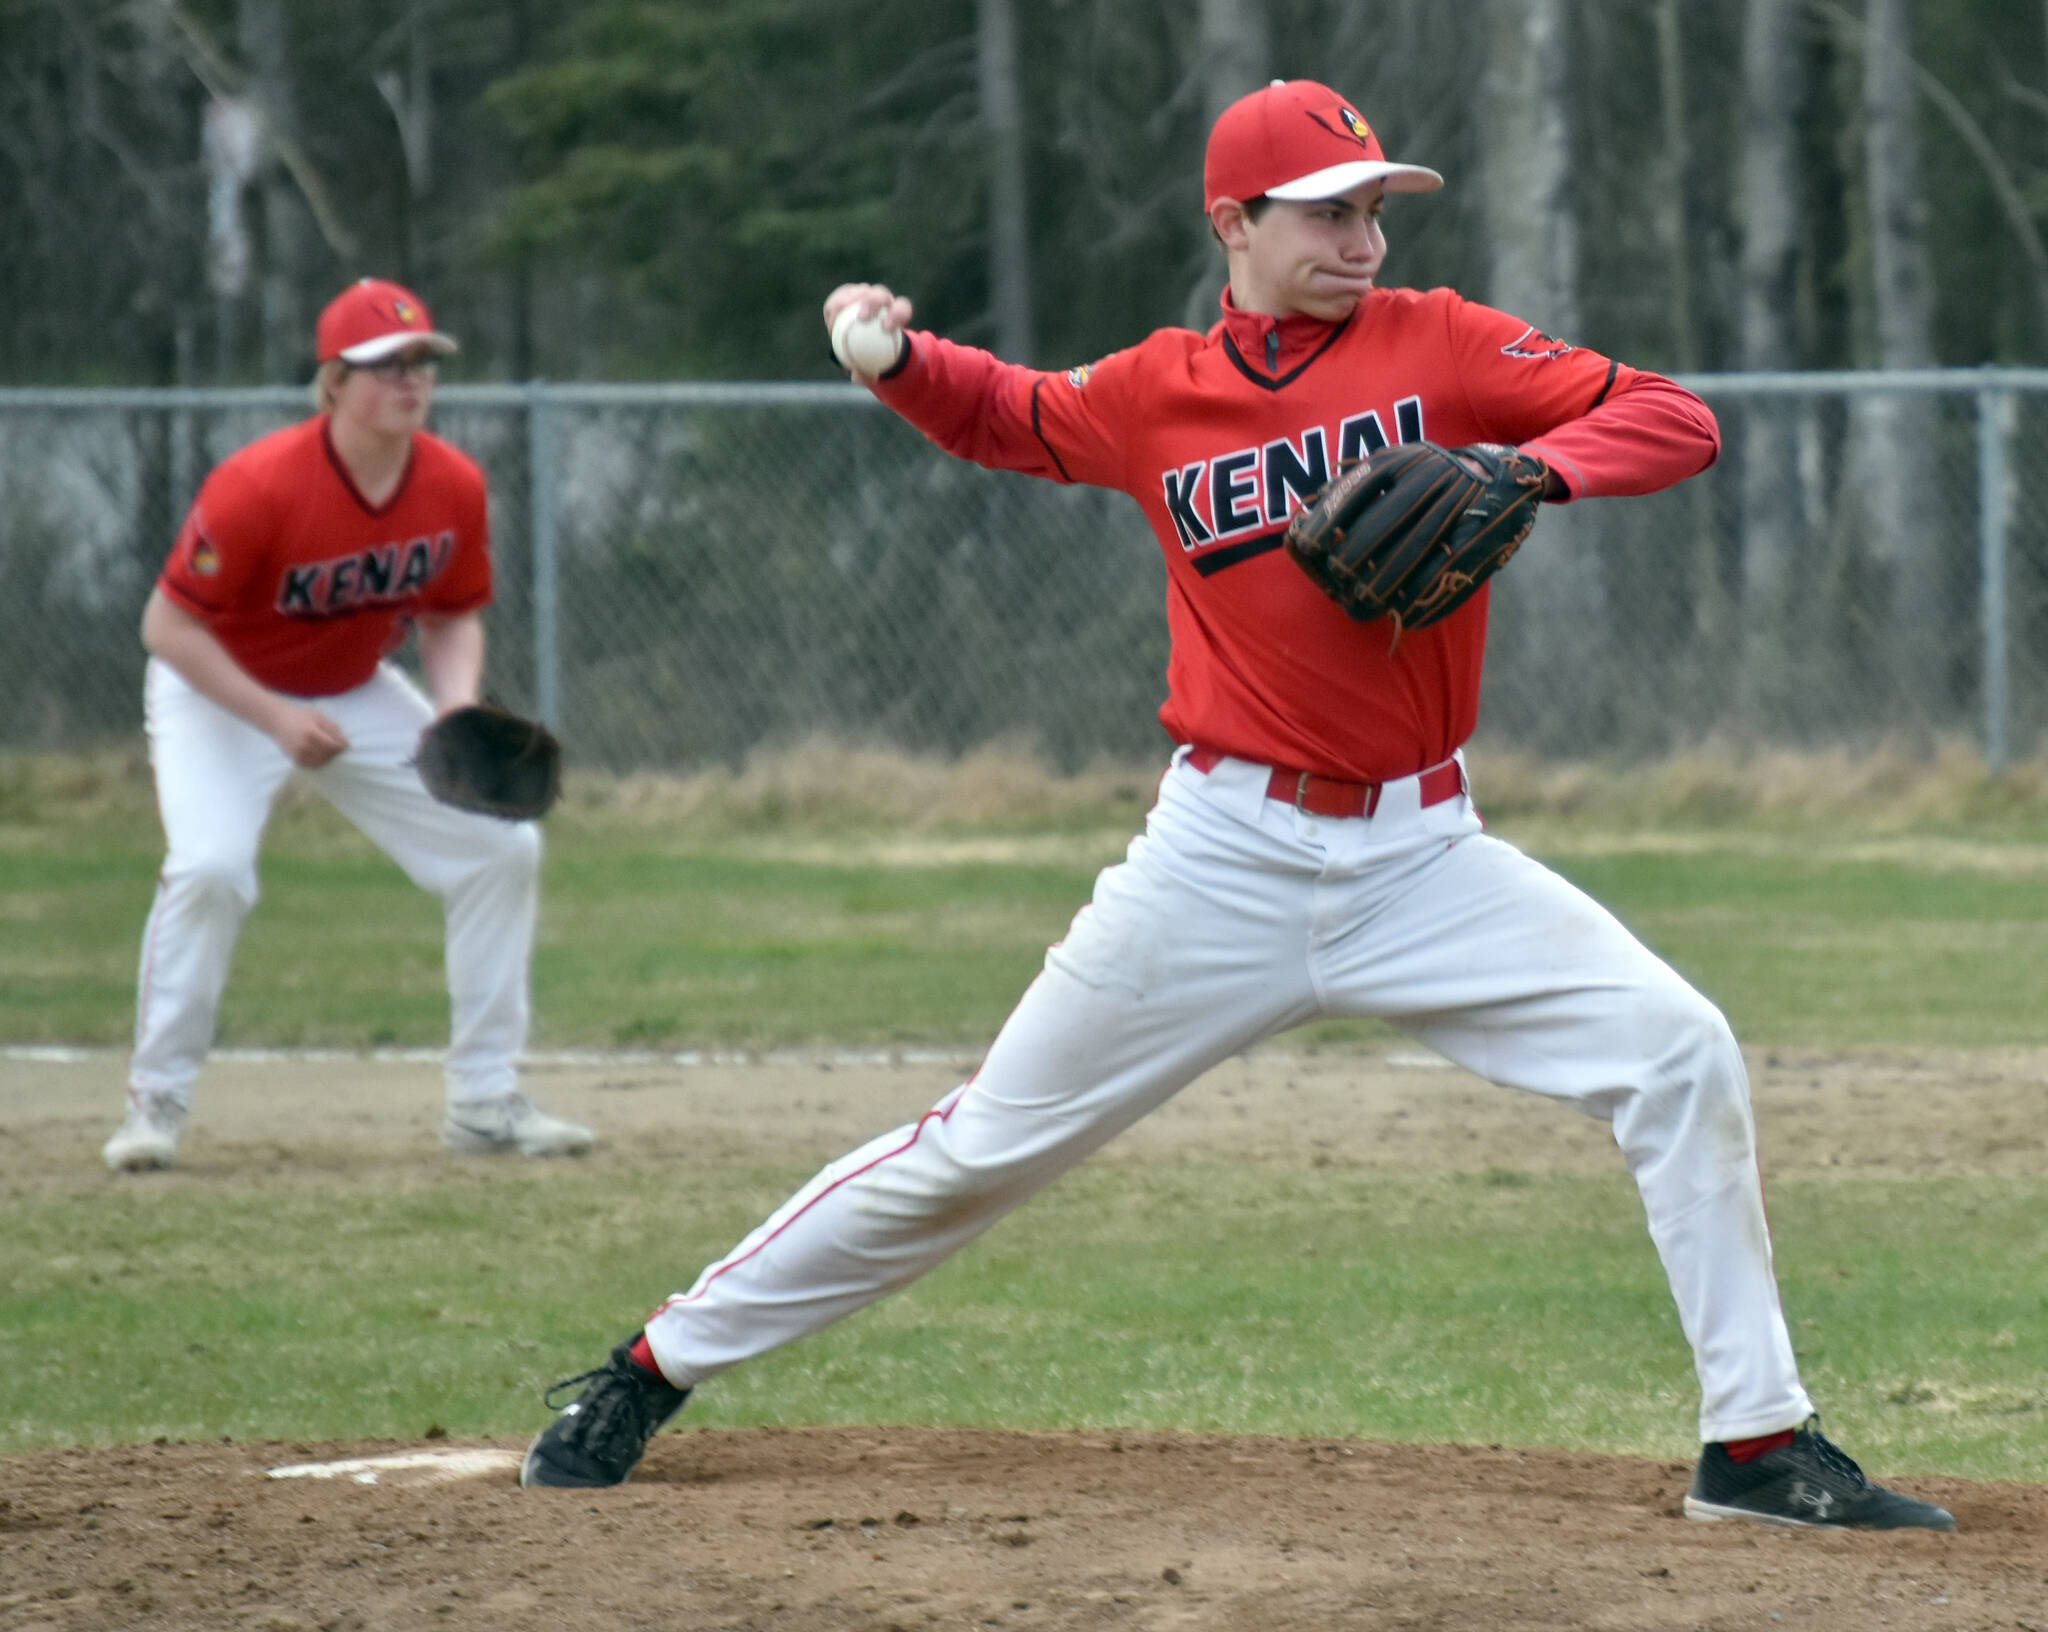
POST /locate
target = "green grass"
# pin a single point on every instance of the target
(1476, 1309)
(708, 946)
(1816, 947)
(653, 938)
(639, 946)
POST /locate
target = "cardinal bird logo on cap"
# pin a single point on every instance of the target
(405, 311)
(204, 561)
(1354, 127)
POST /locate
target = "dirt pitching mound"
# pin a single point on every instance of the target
(881, 1529)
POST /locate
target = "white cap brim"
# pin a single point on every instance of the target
(370, 351)
(1341, 178)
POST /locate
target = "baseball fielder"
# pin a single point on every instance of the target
(304, 560)
(1314, 849)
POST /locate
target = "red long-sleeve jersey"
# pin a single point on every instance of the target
(1220, 437)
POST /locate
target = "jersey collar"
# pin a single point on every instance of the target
(1274, 351)
(348, 481)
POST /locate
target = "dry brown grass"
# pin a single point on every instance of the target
(111, 791)
(1891, 787)
(108, 787)
(832, 784)
(826, 785)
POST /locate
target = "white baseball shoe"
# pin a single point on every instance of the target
(148, 1137)
(481, 1127)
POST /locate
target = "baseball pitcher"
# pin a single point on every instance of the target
(1333, 471)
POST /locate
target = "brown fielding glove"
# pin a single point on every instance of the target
(1410, 533)
(487, 759)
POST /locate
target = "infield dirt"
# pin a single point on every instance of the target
(894, 1528)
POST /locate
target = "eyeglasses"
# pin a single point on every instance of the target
(393, 369)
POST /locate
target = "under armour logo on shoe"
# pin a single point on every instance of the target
(1820, 1501)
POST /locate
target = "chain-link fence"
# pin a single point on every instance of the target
(688, 572)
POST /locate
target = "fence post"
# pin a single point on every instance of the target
(1994, 430)
(185, 472)
(540, 520)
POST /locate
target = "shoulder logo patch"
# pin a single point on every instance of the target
(1533, 342)
(1078, 377)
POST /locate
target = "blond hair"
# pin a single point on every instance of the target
(326, 383)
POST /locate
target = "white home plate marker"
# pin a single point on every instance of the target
(406, 1468)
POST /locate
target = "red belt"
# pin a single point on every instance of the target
(1326, 796)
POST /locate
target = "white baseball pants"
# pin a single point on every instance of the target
(1234, 917)
(217, 777)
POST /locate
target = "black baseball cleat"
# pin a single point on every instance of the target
(1809, 1484)
(600, 1436)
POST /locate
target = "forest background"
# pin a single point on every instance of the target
(666, 188)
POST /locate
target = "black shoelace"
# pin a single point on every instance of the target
(548, 1399)
(630, 1408)
(1835, 1459)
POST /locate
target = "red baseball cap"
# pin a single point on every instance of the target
(372, 318)
(1299, 140)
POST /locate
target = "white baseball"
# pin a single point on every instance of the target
(867, 345)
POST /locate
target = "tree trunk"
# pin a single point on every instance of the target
(1548, 604)
(1770, 673)
(1895, 434)
(1674, 206)
(1709, 604)
(1009, 236)
(1236, 55)
(264, 36)
(522, 351)
(1527, 176)
(410, 96)
(231, 145)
